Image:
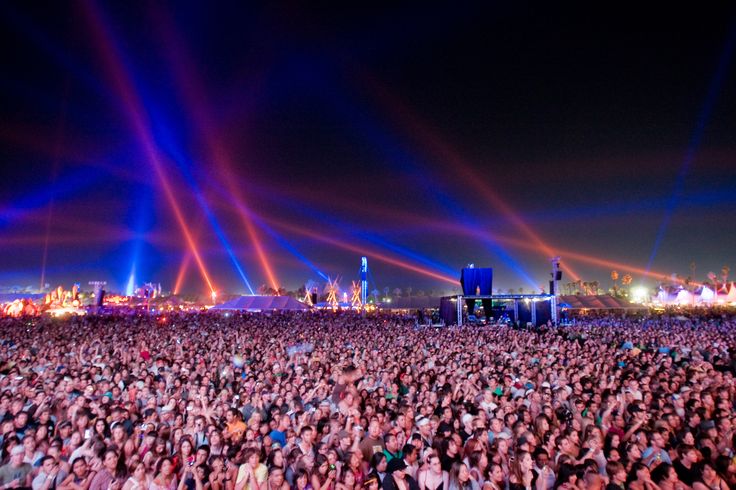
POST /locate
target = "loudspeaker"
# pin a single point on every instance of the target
(100, 298)
(551, 287)
(314, 298)
(558, 275)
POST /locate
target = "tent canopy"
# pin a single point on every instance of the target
(259, 303)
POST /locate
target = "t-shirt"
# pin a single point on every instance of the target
(687, 476)
(236, 428)
(8, 473)
(278, 436)
(40, 479)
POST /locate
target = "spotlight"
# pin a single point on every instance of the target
(639, 294)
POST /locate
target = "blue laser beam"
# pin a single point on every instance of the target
(696, 139)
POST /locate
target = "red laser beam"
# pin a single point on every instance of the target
(431, 141)
(195, 97)
(182, 272)
(362, 250)
(123, 83)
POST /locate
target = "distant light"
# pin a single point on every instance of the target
(639, 294)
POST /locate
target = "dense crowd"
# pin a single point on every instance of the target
(324, 401)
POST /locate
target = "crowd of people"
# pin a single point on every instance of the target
(330, 401)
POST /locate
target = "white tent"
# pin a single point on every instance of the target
(731, 297)
(707, 295)
(684, 298)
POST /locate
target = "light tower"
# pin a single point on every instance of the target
(363, 280)
(555, 288)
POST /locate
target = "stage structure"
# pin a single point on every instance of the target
(477, 284)
(332, 290)
(363, 281)
(355, 302)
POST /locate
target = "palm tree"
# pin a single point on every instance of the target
(614, 278)
(724, 274)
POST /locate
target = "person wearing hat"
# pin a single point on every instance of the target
(15, 473)
(397, 479)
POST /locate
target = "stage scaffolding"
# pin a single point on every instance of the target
(533, 298)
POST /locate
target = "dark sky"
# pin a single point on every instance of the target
(425, 137)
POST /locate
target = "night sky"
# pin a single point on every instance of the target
(278, 144)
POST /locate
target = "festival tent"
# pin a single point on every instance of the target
(664, 297)
(731, 297)
(684, 298)
(707, 295)
(261, 303)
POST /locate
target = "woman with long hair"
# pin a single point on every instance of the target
(541, 426)
(112, 474)
(433, 478)
(301, 480)
(165, 475)
(496, 479)
(184, 456)
(138, 479)
(102, 429)
(460, 479)
(347, 481)
(355, 466)
(275, 459)
(378, 466)
(520, 473)
(155, 454)
(478, 464)
(323, 477)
